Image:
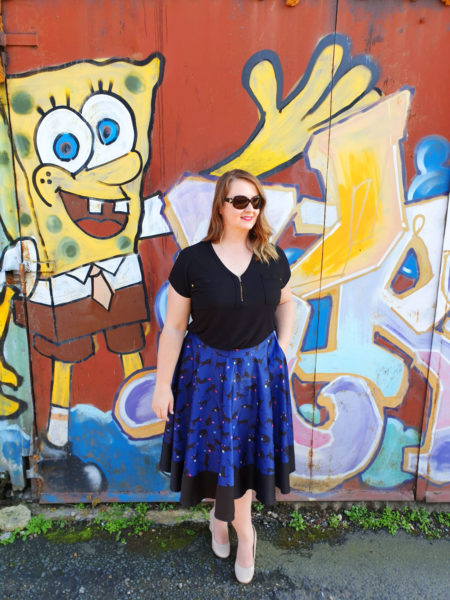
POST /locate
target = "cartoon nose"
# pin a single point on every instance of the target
(120, 170)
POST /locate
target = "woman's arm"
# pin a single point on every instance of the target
(284, 317)
(170, 342)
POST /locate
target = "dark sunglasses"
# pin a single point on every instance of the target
(241, 202)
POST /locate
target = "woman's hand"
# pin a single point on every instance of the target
(170, 343)
(284, 347)
(162, 402)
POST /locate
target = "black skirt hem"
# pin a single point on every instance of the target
(204, 484)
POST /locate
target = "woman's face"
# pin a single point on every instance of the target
(233, 218)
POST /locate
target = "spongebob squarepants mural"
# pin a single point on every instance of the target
(369, 335)
(80, 152)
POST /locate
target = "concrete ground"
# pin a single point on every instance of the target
(176, 561)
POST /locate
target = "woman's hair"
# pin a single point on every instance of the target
(259, 234)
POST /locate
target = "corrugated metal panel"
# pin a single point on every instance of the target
(341, 108)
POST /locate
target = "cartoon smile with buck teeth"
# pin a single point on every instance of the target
(98, 218)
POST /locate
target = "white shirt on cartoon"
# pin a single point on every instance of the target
(120, 272)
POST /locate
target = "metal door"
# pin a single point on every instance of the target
(123, 113)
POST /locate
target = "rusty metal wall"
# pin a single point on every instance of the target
(122, 114)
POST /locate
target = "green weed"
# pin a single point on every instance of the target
(182, 518)
(35, 526)
(124, 520)
(297, 521)
(393, 520)
(141, 508)
(202, 509)
(118, 519)
(334, 521)
(443, 519)
(407, 519)
(422, 520)
(60, 523)
(166, 506)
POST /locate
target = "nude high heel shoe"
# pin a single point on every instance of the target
(220, 550)
(245, 574)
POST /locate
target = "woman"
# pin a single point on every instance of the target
(224, 389)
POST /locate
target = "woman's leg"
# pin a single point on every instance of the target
(220, 530)
(243, 525)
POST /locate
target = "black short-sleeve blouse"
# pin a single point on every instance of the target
(229, 311)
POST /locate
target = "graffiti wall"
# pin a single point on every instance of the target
(16, 405)
(116, 122)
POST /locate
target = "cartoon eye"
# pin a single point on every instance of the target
(63, 138)
(408, 274)
(66, 146)
(113, 121)
(108, 131)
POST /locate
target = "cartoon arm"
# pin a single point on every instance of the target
(333, 83)
(18, 257)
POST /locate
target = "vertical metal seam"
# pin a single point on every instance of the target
(322, 248)
(32, 403)
(427, 396)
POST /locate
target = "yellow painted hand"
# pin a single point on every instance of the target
(7, 375)
(333, 83)
(10, 408)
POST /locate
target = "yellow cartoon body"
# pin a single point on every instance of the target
(81, 144)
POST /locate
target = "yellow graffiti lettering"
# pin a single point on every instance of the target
(363, 182)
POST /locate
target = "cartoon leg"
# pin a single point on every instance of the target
(59, 467)
(127, 341)
(58, 424)
(131, 363)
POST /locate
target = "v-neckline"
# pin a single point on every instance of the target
(224, 265)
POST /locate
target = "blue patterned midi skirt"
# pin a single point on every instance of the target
(231, 429)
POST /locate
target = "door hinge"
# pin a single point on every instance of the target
(18, 39)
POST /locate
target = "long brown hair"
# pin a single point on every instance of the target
(259, 234)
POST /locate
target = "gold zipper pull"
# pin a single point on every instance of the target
(240, 285)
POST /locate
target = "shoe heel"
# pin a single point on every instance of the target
(220, 550)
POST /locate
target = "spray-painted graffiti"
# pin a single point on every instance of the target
(16, 416)
(364, 272)
(81, 151)
(371, 286)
